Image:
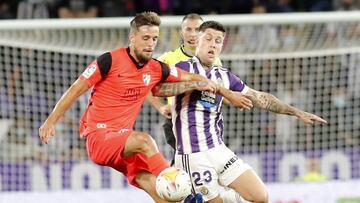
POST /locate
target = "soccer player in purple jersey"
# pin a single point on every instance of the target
(198, 125)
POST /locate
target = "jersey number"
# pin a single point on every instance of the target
(206, 176)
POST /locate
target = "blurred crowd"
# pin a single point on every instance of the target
(24, 9)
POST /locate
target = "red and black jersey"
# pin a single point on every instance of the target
(119, 88)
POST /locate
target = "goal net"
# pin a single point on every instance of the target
(307, 60)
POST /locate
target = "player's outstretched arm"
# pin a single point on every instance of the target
(237, 99)
(176, 88)
(186, 76)
(47, 129)
(161, 107)
(269, 102)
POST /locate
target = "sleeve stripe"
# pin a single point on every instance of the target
(165, 71)
(104, 62)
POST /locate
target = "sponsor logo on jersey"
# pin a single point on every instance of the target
(131, 94)
(229, 163)
(101, 125)
(123, 130)
(89, 71)
(173, 71)
(208, 99)
(146, 78)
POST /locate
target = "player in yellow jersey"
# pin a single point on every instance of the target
(189, 34)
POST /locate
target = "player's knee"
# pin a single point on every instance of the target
(145, 143)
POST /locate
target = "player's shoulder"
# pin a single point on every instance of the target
(118, 52)
(158, 63)
(221, 68)
(185, 64)
(115, 55)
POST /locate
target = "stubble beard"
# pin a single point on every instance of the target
(141, 57)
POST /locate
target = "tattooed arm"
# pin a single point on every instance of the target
(172, 89)
(237, 99)
(269, 102)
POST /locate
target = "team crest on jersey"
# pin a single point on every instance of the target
(146, 78)
(204, 190)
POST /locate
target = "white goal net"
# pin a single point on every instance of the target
(308, 60)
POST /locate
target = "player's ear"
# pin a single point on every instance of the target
(181, 34)
(131, 37)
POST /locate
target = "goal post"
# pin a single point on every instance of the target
(309, 60)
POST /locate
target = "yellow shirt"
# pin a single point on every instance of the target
(312, 176)
(174, 57)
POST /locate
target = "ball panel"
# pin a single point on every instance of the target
(173, 184)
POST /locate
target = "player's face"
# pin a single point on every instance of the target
(209, 45)
(143, 42)
(189, 32)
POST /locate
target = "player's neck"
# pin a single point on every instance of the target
(134, 57)
(206, 66)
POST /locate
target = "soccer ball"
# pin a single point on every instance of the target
(173, 184)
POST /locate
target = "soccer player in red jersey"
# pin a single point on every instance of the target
(120, 81)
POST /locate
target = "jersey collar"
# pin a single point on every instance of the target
(197, 60)
(138, 65)
(183, 51)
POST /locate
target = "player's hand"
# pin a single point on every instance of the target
(46, 131)
(310, 118)
(209, 86)
(165, 111)
(241, 100)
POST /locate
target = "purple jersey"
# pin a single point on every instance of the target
(197, 121)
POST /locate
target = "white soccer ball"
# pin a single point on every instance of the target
(173, 184)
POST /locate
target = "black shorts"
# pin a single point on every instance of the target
(169, 135)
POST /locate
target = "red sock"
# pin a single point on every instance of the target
(157, 163)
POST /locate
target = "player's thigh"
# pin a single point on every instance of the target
(215, 200)
(104, 148)
(147, 182)
(203, 176)
(250, 186)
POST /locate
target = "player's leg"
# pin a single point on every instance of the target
(202, 173)
(140, 142)
(215, 200)
(107, 148)
(239, 176)
(147, 182)
(254, 190)
(231, 196)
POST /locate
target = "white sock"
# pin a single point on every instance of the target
(231, 196)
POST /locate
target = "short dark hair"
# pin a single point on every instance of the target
(192, 16)
(213, 25)
(144, 18)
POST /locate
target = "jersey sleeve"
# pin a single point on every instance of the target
(97, 70)
(236, 84)
(170, 73)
